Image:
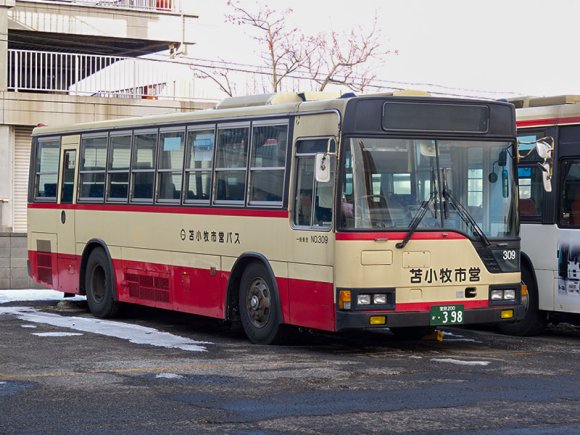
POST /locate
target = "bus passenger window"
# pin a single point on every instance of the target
(198, 165)
(46, 169)
(143, 170)
(267, 164)
(119, 162)
(171, 147)
(92, 168)
(231, 164)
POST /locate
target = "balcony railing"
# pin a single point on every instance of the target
(148, 5)
(101, 76)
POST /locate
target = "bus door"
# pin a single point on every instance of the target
(312, 240)
(68, 262)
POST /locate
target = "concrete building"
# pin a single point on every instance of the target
(74, 61)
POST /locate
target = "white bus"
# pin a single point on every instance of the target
(550, 220)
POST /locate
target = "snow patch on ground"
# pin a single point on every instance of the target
(461, 362)
(133, 333)
(168, 376)
(34, 295)
(57, 334)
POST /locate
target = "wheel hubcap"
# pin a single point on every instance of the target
(258, 303)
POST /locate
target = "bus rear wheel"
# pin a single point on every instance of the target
(100, 286)
(259, 306)
(534, 320)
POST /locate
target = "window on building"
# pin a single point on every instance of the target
(231, 164)
(198, 165)
(92, 167)
(169, 173)
(46, 168)
(118, 171)
(268, 161)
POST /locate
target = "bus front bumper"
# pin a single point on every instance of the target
(362, 320)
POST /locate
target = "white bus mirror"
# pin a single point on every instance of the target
(322, 168)
(544, 150)
(546, 176)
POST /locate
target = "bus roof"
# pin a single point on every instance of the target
(545, 111)
(278, 104)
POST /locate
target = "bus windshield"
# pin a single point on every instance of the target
(460, 185)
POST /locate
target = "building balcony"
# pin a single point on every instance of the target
(129, 28)
(100, 76)
(145, 5)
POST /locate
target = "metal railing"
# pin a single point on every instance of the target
(102, 76)
(148, 5)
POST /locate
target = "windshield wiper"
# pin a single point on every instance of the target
(420, 214)
(461, 210)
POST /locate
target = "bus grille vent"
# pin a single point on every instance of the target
(490, 263)
(151, 288)
(44, 267)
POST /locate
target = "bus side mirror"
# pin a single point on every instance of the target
(546, 176)
(322, 168)
(544, 151)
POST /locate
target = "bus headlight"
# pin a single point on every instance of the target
(363, 299)
(379, 299)
(509, 294)
(503, 294)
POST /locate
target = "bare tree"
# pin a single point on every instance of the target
(343, 59)
(220, 75)
(327, 58)
(284, 50)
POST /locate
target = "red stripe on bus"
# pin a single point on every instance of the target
(429, 235)
(548, 121)
(207, 211)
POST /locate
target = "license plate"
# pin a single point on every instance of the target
(446, 315)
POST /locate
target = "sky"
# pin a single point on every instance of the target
(492, 48)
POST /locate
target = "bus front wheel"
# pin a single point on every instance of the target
(259, 306)
(100, 285)
(534, 320)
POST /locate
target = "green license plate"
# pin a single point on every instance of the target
(446, 315)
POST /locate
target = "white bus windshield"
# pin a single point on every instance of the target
(467, 186)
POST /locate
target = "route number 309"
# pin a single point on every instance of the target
(509, 255)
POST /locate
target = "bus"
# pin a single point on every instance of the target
(290, 209)
(550, 219)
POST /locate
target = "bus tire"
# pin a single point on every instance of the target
(100, 286)
(259, 306)
(412, 332)
(534, 320)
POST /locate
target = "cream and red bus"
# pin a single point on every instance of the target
(550, 219)
(363, 212)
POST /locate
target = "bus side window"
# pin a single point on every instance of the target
(313, 202)
(531, 192)
(46, 169)
(143, 168)
(570, 194)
